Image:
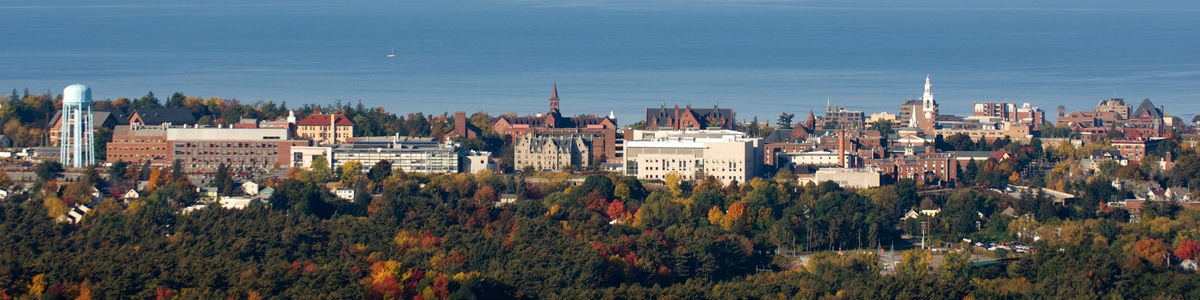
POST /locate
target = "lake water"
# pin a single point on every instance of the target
(758, 57)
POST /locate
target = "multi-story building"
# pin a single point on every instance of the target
(921, 113)
(408, 154)
(202, 149)
(244, 149)
(858, 178)
(100, 119)
(840, 117)
(554, 121)
(883, 116)
(726, 155)
(550, 152)
(919, 166)
(1010, 112)
(986, 128)
(1090, 122)
(1115, 105)
(137, 144)
(1133, 149)
(1145, 122)
(325, 129)
(689, 118)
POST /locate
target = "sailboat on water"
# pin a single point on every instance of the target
(393, 53)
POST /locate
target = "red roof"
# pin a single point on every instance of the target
(323, 120)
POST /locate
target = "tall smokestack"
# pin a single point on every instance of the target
(842, 149)
(677, 125)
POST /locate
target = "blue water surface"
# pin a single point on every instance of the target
(758, 57)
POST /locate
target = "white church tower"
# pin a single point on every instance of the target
(78, 146)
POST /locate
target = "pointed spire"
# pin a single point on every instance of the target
(715, 106)
(612, 115)
(554, 98)
(928, 97)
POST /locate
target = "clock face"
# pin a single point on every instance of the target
(928, 115)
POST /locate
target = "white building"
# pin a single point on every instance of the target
(476, 161)
(250, 188)
(409, 154)
(859, 178)
(820, 157)
(724, 154)
(302, 156)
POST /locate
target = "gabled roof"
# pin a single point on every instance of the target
(323, 120)
(779, 135)
(158, 116)
(1147, 110)
(663, 116)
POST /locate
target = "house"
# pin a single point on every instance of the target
(345, 194)
(131, 195)
(208, 194)
(266, 193)
(250, 188)
(507, 199)
(235, 202)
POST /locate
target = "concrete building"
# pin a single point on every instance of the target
(550, 152)
(839, 117)
(302, 156)
(883, 116)
(987, 129)
(477, 161)
(1025, 113)
(324, 129)
(857, 178)
(408, 154)
(1116, 106)
(726, 155)
(818, 158)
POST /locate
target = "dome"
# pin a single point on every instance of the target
(77, 93)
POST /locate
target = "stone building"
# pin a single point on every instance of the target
(550, 152)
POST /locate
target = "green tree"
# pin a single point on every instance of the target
(380, 171)
(320, 170)
(884, 127)
(349, 170)
(49, 170)
(785, 120)
(223, 180)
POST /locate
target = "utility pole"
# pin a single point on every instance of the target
(924, 230)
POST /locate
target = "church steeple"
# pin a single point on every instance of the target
(554, 98)
(927, 99)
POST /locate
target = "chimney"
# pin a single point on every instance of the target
(460, 123)
(842, 149)
(333, 128)
(676, 119)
